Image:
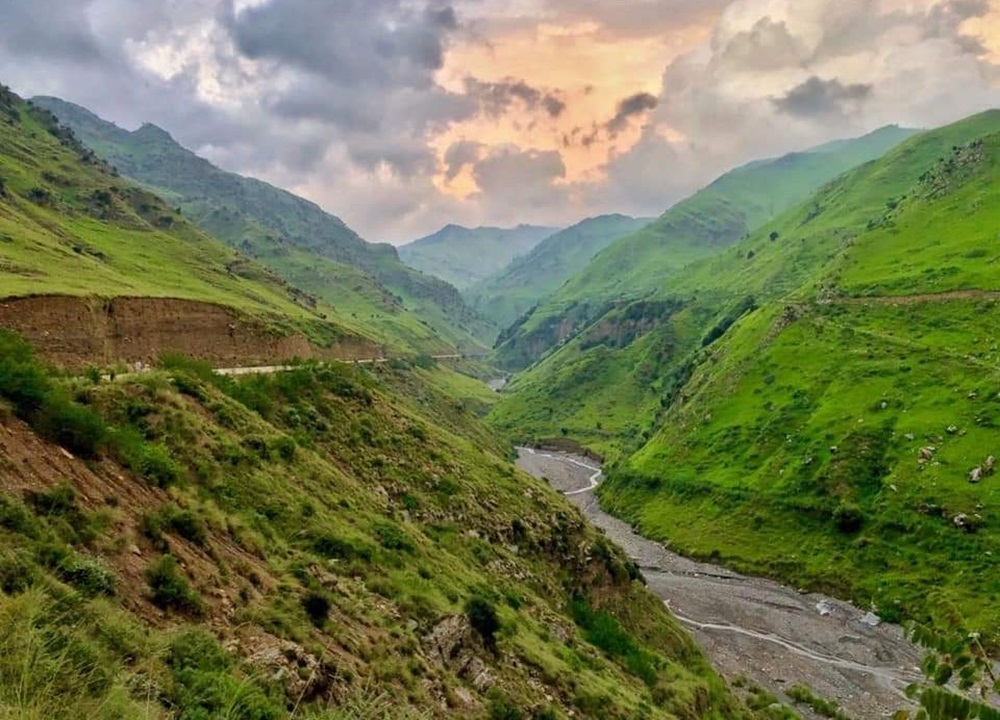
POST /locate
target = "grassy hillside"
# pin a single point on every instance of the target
(838, 433)
(69, 225)
(326, 543)
(290, 235)
(528, 280)
(465, 256)
(699, 227)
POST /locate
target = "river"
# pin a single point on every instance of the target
(774, 635)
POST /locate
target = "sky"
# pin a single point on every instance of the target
(401, 116)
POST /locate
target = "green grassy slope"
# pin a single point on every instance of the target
(696, 228)
(465, 256)
(828, 437)
(323, 543)
(292, 236)
(70, 226)
(512, 292)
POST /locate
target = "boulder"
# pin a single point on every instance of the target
(989, 466)
(976, 475)
(926, 454)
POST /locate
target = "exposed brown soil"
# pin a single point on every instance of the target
(76, 331)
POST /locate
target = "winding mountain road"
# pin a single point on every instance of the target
(772, 634)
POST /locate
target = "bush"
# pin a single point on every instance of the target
(172, 518)
(849, 518)
(77, 428)
(317, 607)
(502, 707)
(23, 380)
(169, 590)
(88, 575)
(393, 537)
(484, 620)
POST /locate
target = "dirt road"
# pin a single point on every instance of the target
(770, 633)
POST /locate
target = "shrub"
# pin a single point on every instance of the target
(88, 575)
(484, 620)
(848, 517)
(317, 607)
(169, 590)
(172, 518)
(502, 707)
(77, 428)
(393, 537)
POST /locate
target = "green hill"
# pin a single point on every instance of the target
(323, 542)
(823, 396)
(290, 235)
(529, 279)
(466, 256)
(696, 228)
(71, 226)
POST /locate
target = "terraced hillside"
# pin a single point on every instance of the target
(699, 227)
(832, 420)
(293, 237)
(465, 256)
(528, 280)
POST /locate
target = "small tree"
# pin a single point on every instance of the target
(774, 235)
(483, 618)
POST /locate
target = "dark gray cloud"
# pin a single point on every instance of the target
(352, 42)
(460, 155)
(340, 98)
(497, 98)
(629, 108)
(818, 97)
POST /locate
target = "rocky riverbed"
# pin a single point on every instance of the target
(769, 633)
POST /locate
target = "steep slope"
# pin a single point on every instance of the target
(465, 256)
(71, 227)
(701, 226)
(288, 234)
(512, 292)
(323, 543)
(842, 435)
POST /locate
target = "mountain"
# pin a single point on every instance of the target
(290, 235)
(701, 226)
(325, 540)
(822, 396)
(465, 256)
(529, 279)
(74, 234)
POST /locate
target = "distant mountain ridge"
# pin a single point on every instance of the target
(530, 278)
(291, 235)
(465, 256)
(701, 226)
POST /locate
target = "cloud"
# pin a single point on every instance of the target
(630, 107)
(366, 105)
(823, 97)
(497, 98)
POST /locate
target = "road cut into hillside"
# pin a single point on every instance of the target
(776, 636)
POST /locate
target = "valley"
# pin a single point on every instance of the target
(737, 462)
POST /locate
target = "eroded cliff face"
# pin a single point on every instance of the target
(77, 331)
